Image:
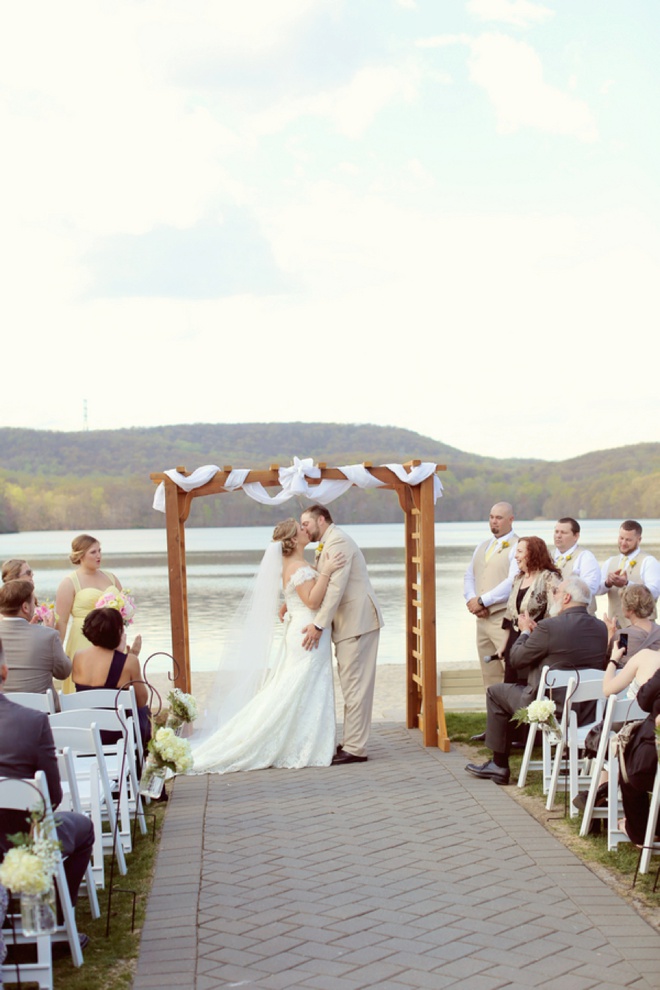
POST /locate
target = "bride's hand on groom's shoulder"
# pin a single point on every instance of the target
(334, 563)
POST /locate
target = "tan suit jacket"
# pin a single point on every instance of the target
(350, 603)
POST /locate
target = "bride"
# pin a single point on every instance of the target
(281, 713)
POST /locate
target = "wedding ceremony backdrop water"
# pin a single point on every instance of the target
(222, 561)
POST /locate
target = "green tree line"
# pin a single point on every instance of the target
(100, 479)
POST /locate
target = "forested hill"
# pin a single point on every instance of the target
(100, 479)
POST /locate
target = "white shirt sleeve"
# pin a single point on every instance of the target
(650, 575)
(588, 570)
(469, 590)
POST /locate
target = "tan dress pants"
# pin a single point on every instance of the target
(491, 639)
(356, 666)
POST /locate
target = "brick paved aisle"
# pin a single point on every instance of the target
(403, 872)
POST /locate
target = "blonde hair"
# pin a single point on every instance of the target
(11, 570)
(637, 599)
(79, 547)
(285, 533)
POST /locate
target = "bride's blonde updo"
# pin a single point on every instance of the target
(286, 533)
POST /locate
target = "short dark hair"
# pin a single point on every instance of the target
(319, 510)
(569, 521)
(630, 525)
(13, 595)
(103, 627)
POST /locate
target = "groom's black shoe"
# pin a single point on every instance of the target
(340, 748)
(343, 757)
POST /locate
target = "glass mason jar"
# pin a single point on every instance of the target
(38, 913)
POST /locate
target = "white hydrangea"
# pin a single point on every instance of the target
(24, 872)
(172, 750)
(182, 706)
(541, 711)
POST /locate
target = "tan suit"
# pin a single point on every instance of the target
(491, 637)
(641, 568)
(351, 607)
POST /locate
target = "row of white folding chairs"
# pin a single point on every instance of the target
(585, 685)
(19, 795)
(106, 778)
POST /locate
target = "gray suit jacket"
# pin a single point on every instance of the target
(350, 602)
(571, 639)
(26, 745)
(34, 655)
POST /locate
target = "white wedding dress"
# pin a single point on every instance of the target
(290, 722)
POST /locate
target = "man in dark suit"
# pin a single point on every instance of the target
(26, 745)
(33, 653)
(570, 639)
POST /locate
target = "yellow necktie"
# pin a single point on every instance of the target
(491, 550)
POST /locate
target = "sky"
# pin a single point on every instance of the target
(441, 215)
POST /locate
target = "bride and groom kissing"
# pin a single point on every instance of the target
(283, 712)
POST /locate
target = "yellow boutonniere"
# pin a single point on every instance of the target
(631, 564)
(570, 557)
(319, 550)
(504, 546)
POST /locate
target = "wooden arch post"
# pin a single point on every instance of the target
(423, 707)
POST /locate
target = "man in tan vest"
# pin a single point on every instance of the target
(573, 559)
(630, 566)
(487, 586)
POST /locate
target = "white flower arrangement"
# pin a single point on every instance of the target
(183, 708)
(28, 867)
(168, 754)
(541, 713)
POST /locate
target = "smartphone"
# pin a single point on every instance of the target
(623, 642)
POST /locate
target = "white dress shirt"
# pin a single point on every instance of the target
(585, 566)
(500, 593)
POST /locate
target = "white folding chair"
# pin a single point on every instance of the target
(33, 699)
(107, 698)
(123, 772)
(71, 802)
(651, 844)
(584, 685)
(618, 709)
(550, 679)
(18, 794)
(94, 789)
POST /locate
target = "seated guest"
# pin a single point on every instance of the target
(33, 654)
(641, 759)
(19, 570)
(638, 606)
(569, 639)
(26, 745)
(105, 665)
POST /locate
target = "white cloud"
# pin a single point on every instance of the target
(518, 13)
(511, 73)
(350, 108)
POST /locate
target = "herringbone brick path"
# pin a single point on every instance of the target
(403, 872)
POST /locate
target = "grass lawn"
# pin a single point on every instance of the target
(110, 962)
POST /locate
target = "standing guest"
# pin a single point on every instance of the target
(643, 633)
(531, 594)
(26, 745)
(569, 638)
(486, 588)
(33, 653)
(351, 608)
(79, 592)
(630, 566)
(571, 558)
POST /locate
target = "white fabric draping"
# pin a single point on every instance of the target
(293, 481)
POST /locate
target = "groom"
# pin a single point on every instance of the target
(351, 607)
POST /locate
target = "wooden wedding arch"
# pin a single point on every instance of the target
(424, 708)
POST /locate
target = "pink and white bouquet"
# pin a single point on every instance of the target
(120, 600)
(45, 613)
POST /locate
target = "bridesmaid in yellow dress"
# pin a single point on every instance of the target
(79, 592)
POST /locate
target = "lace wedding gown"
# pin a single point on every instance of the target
(290, 722)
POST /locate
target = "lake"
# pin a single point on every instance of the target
(221, 562)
